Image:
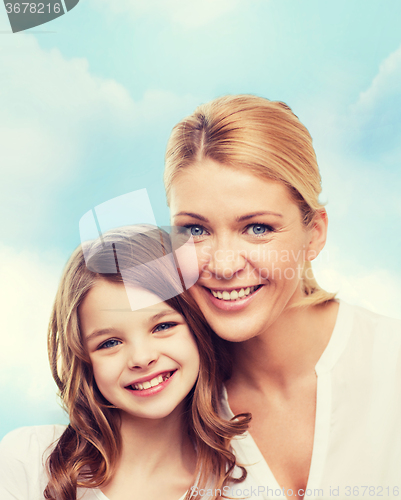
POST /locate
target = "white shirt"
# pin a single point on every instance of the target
(357, 439)
(23, 454)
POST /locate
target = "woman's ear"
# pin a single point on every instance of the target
(318, 234)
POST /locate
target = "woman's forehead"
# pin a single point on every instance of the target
(209, 186)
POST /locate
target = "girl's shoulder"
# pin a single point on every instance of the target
(23, 453)
(28, 440)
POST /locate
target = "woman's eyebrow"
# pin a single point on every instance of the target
(256, 214)
(191, 214)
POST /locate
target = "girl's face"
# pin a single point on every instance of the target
(251, 246)
(145, 362)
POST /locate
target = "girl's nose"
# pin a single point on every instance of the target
(142, 354)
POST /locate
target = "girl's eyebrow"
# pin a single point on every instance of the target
(163, 313)
(107, 331)
(102, 331)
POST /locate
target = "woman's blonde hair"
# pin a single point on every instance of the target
(263, 137)
(87, 453)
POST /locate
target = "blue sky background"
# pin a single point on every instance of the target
(87, 104)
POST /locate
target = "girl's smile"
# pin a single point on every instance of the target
(153, 384)
(145, 362)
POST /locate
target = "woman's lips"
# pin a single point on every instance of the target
(232, 301)
(143, 389)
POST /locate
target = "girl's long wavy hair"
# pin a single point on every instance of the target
(262, 137)
(87, 453)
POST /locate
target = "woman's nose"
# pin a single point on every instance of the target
(142, 354)
(225, 261)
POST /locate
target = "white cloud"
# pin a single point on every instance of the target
(29, 284)
(385, 84)
(375, 117)
(50, 107)
(188, 14)
(48, 103)
(54, 112)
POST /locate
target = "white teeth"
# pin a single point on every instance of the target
(152, 383)
(234, 294)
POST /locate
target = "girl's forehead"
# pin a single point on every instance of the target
(109, 302)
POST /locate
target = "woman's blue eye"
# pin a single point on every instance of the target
(258, 229)
(164, 326)
(196, 230)
(109, 343)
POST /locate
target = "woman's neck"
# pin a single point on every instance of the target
(287, 351)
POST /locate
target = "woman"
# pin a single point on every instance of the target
(321, 378)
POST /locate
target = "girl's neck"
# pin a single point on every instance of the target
(149, 444)
(157, 459)
(287, 351)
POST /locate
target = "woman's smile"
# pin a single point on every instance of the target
(232, 299)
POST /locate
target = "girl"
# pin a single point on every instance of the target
(140, 384)
(321, 378)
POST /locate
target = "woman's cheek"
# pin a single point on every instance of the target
(187, 259)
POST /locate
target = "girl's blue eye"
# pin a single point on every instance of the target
(259, 229)
(109, 343)
(163, 327)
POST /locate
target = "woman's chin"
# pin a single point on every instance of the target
(234, 329)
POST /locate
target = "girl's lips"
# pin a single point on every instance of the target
(151, 391)
(230, 305)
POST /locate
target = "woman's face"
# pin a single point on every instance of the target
(251, 246)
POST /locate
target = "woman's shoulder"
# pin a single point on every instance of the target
(367, 320)
(369, 336)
